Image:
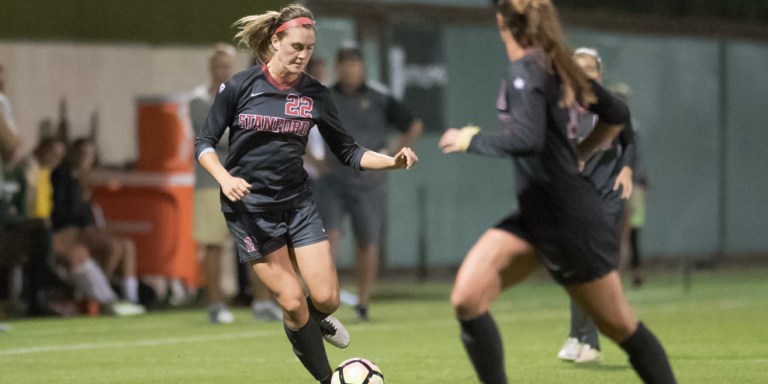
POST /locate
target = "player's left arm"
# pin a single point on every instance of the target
(344, 147)
(403, 159)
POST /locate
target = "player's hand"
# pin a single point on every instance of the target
(457, 140)
(234, 188)
(405, 158)
(624, 180)
(449, 142)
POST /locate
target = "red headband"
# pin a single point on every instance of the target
(299, 21)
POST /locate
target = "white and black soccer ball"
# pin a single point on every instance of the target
(357, 370)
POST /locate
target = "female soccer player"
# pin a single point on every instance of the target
(266, 200)
(561, 219)
(611, 173)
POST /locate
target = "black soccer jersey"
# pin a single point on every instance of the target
(534, 128)
(560, 212)
(269, 124)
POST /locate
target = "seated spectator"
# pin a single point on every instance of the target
(93, 254)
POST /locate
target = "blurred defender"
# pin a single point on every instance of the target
(561, 222)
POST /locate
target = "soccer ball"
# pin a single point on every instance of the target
(357, 371)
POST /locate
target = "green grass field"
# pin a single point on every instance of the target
(715, 333)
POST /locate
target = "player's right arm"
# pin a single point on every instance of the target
(341, 144)
(522, 118)
(219, 117)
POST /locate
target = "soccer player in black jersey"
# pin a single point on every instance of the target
(266, 200)
(611, 173)
(561, 222)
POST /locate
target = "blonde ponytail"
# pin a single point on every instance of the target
(256, 30)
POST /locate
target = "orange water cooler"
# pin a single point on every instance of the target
(153, 204)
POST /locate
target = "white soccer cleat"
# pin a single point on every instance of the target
(570, 350)
(334, 332)
(588, 355)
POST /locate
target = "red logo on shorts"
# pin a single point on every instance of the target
(249, 244)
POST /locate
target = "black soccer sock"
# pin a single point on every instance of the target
(482, 341)
(315, 313)
(647, 357)
(308, 346)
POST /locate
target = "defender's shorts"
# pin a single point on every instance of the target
(575, 238)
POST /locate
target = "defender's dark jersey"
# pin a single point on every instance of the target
(269, 124)
(560, 211)
(534, 127)
(604, 166)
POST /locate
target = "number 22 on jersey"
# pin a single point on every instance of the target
(298, 106)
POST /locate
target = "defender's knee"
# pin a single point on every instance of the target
(467, 305)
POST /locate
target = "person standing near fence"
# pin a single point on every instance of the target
(368, 114)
